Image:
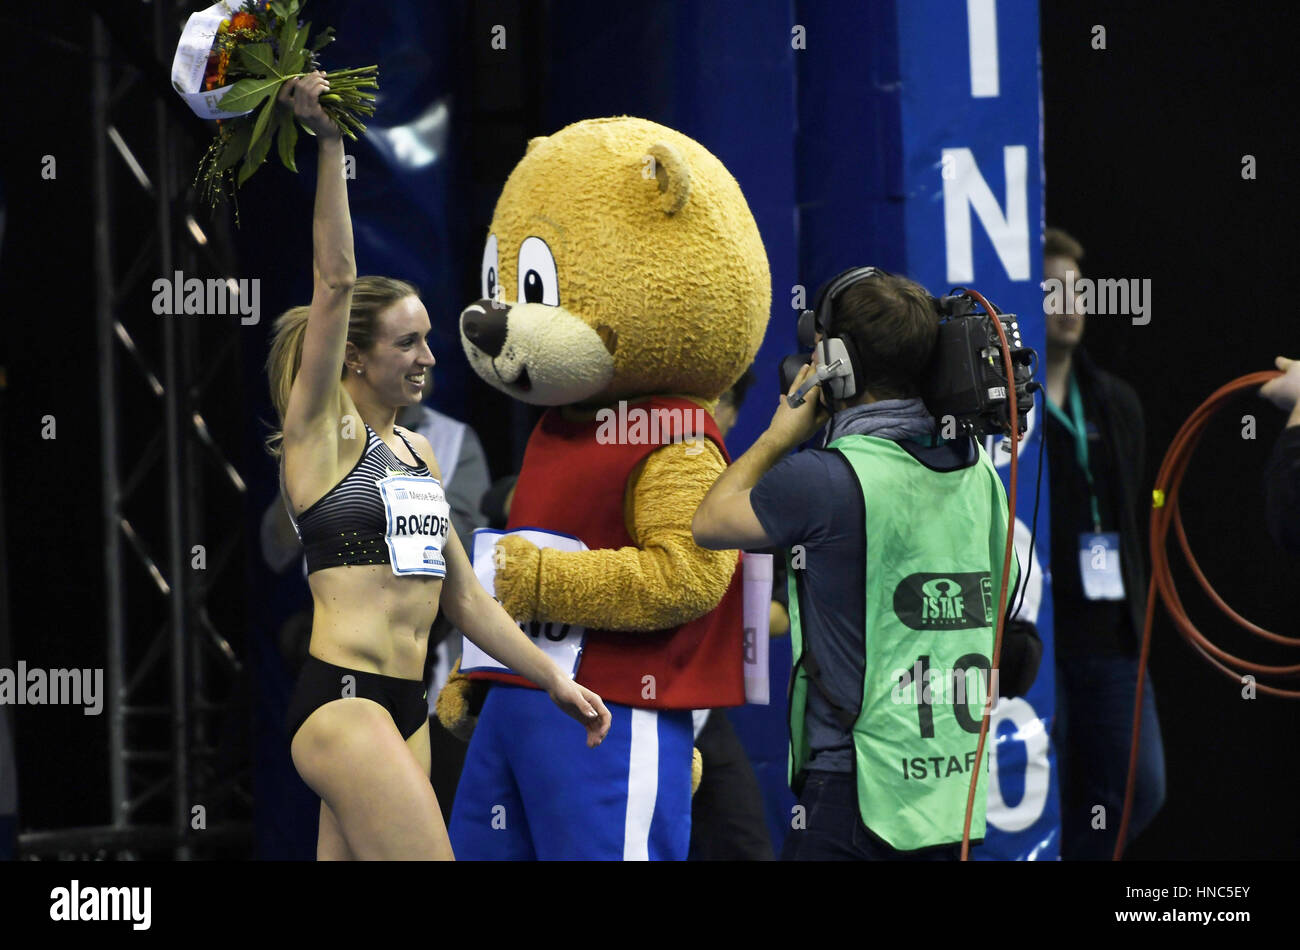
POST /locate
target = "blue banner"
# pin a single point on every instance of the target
(919, 150)
(972, 187)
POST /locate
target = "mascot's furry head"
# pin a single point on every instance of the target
(622, 261)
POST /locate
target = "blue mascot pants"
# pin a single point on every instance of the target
(532, 790)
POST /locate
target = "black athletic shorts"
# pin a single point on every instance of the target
(320, 682)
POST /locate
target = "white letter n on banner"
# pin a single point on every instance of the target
(964, 185)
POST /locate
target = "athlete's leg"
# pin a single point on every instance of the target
(330, 843)
(420, 748)
(351, 754)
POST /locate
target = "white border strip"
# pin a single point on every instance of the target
(642, 784)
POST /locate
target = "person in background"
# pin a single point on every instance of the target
(1096, 444)
(496, 501)
(1282, 477)
(725, 415)
(727, 821)
(466, 474)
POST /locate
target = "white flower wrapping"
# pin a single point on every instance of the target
(191, 59)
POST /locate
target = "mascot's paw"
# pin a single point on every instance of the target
(460, 702)
(697, 769)
(518, 564)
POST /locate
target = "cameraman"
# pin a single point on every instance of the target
(881, 528)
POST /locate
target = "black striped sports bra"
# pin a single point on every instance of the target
(351, 524)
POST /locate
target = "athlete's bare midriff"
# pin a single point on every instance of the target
(367, 618)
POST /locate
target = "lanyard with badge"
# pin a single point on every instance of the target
(1098, 550)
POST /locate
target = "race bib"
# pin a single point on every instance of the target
(562, 642)
(418, 519)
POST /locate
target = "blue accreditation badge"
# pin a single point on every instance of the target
(1099, 566)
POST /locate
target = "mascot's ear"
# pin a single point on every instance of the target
(534, 142)
(673, 176)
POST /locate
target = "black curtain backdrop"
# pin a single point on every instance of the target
(1143, 146)
(51, 487)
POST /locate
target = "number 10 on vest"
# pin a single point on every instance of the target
(960, 687)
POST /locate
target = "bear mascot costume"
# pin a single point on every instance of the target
(625, 287)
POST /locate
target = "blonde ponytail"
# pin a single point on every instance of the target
(282, 367)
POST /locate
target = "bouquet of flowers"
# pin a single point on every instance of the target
(232, 61)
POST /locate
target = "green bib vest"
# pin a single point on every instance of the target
(935, 544)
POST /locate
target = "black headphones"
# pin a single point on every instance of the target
(841, 370)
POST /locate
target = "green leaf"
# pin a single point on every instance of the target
(300, 41)
(257, 59)
(288, 42)
(237, 147)
(286, 142)
(293, 63)
(278, 9)
(247, 93)
(325, 38)
(256, 155)
(292, 54)
(261, 129)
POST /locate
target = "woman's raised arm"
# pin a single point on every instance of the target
(313, 402)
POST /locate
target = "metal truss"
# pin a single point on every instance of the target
(173, 679)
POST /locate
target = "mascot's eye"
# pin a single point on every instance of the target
(538, 280)
(489, 271)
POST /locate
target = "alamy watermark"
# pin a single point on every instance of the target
(214, 296)
(130, 904)
(926, 686)
(38, 687)
(1116, 297)
(641, 426)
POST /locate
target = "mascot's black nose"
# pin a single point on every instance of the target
(484, 324)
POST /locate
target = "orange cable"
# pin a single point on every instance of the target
(1013, 419)
(1164, 511)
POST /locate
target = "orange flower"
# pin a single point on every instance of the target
(215, 74)
(244, 21)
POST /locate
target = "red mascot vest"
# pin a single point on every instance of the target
(573, 484)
